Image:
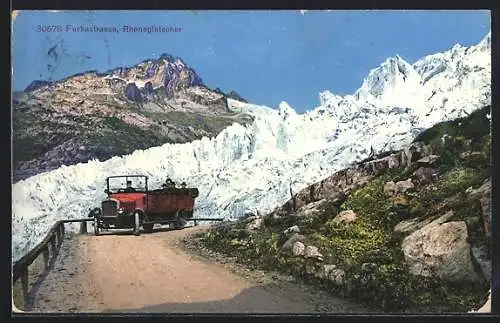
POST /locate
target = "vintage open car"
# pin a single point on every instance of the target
(131, 205)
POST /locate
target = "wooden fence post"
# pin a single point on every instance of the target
(46, 257)
(53, 245)
(83, 227)
(58, 235)
(24, 284)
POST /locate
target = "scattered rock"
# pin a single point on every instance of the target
(400, 187)
(400, 200)
(310, 208)
(387, 162)
(427, 160)
(389, 188)
(440, 250)
(424, 175)
(256, 224)
(414, 152)
(293, 229)
(345, 216)
(291, 241)
(250, 218)
(337, 276)
(298, 248)
(312, 252)
(326, 270)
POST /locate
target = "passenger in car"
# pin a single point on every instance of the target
(129, 188)
(168, 183)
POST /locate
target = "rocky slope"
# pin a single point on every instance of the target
(101, 115)
(409, 231)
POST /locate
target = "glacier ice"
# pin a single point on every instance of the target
(249, 168)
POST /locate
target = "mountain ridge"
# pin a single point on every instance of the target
(156, 99)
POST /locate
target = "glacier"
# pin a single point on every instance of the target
(252, 168)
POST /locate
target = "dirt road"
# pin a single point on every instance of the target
(151, 273)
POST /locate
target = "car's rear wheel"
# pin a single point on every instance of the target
(137, 224)
(179, 223)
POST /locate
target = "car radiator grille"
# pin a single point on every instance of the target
(109, 208)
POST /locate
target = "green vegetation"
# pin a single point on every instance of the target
(36, 131)
(210, 124)
(371, 237)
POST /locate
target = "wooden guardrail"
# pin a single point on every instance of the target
(49, 247)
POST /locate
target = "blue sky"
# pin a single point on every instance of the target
(266, 56)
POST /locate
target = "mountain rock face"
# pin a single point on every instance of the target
(114, 113)
(251, 166)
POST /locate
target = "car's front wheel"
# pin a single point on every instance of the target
(179, 223)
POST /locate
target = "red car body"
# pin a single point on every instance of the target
(142, 207)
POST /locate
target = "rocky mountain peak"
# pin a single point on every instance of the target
(166, 72)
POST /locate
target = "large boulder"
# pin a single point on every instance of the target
(414, 224)
(440, 250)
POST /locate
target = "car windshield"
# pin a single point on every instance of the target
(127, 183)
